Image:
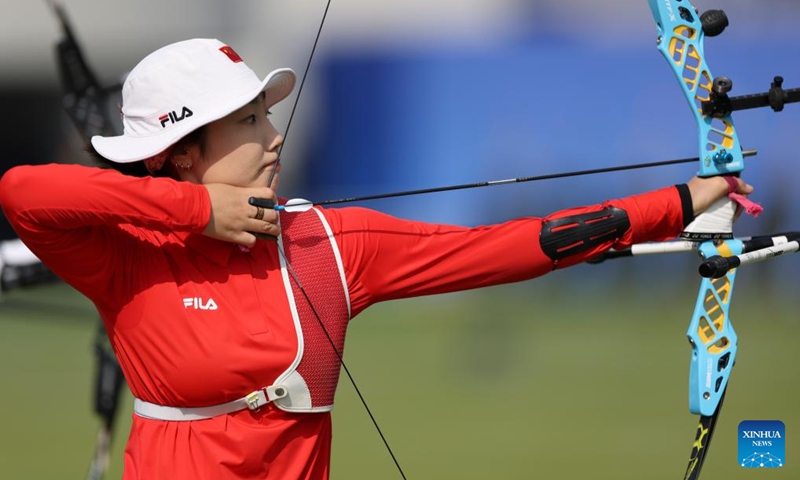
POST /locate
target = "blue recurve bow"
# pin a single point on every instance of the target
(681, 31)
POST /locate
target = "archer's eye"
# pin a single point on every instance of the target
(251, 119)
(269, 112)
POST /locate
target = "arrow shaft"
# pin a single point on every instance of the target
(492, 183)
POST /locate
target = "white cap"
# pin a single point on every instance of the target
(181, 87)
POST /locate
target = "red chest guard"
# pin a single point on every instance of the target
(316, 287)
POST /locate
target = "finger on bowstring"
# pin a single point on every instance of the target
(261, 226)
(263, 230)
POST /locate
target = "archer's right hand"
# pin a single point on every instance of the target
(234, 220)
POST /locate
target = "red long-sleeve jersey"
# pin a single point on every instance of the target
(134, 247)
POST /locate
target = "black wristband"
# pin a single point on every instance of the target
(686, 203)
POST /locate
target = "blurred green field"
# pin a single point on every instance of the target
(537, 380)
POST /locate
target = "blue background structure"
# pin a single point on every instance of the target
(535, 106)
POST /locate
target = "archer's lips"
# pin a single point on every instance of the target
(272, 164)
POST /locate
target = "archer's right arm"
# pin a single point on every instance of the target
(83, 222)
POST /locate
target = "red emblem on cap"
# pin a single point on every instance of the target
(235, 58)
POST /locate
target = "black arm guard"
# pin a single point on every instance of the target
(567, 236)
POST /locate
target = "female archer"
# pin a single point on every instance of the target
(215, 307)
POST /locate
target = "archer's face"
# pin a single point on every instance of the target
(240, 149)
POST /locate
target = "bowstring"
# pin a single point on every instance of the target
(290, 269)
(299, 92)
(341, 360)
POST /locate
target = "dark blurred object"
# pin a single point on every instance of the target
(15, 276)
(88, 106)
(85, 101)
(29, 122)
(19, 267)
(109, 379)
(107, 391)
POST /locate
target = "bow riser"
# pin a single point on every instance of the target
(680, 41)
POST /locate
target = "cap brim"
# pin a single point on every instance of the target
(124, 149)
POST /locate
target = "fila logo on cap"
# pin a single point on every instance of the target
(172, 117)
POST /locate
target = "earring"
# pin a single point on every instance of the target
(183, 153)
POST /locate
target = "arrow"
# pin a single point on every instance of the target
(297, 205)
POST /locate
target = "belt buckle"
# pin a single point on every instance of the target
(253, 401)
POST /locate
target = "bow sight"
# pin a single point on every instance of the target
(720, 105)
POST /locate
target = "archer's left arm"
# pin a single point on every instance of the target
(572, 236)
(389, 258)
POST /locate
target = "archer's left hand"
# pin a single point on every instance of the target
(706, 191)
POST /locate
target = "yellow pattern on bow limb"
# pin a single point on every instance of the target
(699, 442)
(697, 448)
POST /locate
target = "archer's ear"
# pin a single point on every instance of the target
(193, 153)
(184, 158)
